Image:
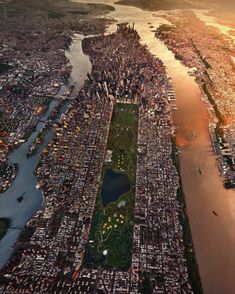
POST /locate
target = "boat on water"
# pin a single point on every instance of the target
(214, 213)
(20, 198)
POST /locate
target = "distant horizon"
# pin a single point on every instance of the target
(157, 4)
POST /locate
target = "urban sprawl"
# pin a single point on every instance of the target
(79, 242)
(50, 254)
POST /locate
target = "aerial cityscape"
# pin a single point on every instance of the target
(117, 146)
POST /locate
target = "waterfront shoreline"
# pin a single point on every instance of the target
(35, 201)
(190, 254)
(220, 117)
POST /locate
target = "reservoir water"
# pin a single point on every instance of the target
(25, 182)
(213, 236)
(114, 185)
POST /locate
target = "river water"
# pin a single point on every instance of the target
(213, 236)
(25, 182)
(80, 62)
(211, 21)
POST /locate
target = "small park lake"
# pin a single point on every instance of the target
(114, 185)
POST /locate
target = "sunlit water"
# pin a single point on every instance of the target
(211, 21)
(80, 62)
(213, 236)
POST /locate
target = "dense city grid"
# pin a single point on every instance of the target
(50, 252)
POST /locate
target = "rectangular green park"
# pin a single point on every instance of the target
(111, 234)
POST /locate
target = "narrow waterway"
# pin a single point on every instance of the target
(213, 236)
(25, 182)
(81, 64)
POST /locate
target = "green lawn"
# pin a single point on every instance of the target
(112, 226)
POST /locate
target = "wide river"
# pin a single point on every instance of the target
(213, 236)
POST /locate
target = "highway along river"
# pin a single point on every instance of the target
(25, 182)
(213, 236)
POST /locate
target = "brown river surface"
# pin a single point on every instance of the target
(213, 236)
